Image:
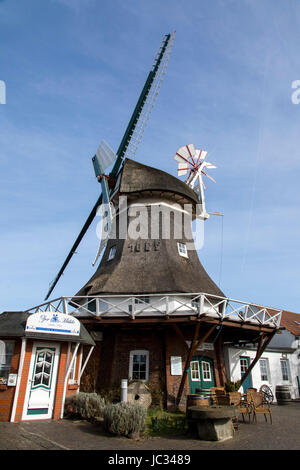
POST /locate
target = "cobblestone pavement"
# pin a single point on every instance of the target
(283, 434)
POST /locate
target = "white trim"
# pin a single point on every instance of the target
(197, 379)
(137, 352)
(173, 304)
(210, 371)
(85, 362)
(42, 345)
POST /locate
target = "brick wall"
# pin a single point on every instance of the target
(24, 380)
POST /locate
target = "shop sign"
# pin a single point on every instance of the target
(53, 322)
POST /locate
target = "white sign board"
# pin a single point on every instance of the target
(53, 322)
(203, 346)
(12, 380)
(176, 365)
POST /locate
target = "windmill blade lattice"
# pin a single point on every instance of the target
(128, 146)
(158, 70)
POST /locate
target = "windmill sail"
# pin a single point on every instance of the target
(193, 162)
(134, 132)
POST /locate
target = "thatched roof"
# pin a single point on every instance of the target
(150, 266)
(137, 178)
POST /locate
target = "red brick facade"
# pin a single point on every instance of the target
(111, 358)
(7, 393)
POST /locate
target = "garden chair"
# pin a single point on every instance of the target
(260, 406)
(235, 399)
(217, 392)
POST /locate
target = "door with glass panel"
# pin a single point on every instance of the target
(40, 393)
(244, 365)
(201, 374)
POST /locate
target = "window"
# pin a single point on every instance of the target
(141, 300)
(6, 353)
(263, 364)
(195, 371)
(73, 368)
(284, 369)
(139, 365)
(206, 371)
(112, 252)
(244, 365)
(182, 249)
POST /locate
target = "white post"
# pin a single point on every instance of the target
(124, 385)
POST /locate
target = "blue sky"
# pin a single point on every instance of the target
(73, 71)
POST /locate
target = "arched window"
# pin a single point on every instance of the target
(139, 365)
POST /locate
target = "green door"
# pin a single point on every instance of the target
(201, 373)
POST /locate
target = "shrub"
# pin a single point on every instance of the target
(232, 386)
(125, 419)
(86, 405)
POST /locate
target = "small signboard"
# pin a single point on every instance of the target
(12, 380)
(176, 365)
(53, 323)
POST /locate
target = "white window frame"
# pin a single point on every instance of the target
(182, 249)
(243, 362)
(195, 379)
(112, 253)
(138, 352)
(72, 373)
(206, 371)
(286, 361)
(6, 358)
(267, 370)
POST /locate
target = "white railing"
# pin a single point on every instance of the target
(163, 305)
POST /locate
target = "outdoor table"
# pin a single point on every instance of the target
(214, 423)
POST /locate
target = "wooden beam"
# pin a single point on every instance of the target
(193, 348)
(260, 349)
(201, 340)
(180, 336)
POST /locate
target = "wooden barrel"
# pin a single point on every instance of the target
(206, 393)
(283, 394)
(196, 399)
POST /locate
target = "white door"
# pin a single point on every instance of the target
(40, 392)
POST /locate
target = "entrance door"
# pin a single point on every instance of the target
(40, 393)
(245, 363)
(201, 373)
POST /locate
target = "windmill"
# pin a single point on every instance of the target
(105, 156)
(193, 162)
